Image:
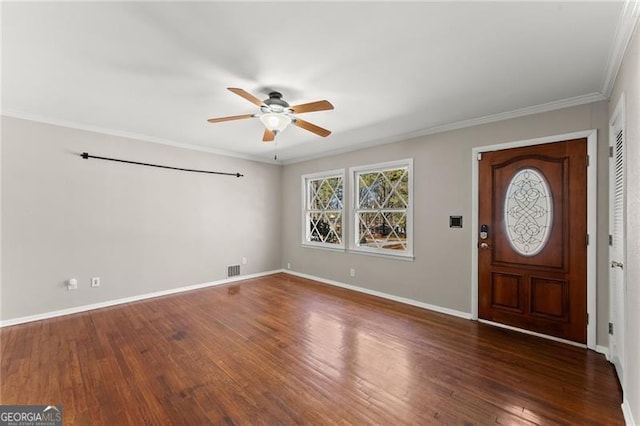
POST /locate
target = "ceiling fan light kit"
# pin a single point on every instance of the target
(276, 122)
(276, 114)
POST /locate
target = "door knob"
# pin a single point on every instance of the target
(615, 264)
(484, 246)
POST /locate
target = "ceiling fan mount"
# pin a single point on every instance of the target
(275, 97)
(276, 114)
(276, 103)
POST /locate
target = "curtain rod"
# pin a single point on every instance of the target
(86, 156)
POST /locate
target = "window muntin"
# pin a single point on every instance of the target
(382, 212)
(324, 210)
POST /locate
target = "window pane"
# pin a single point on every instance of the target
(369, 190)
(388, 189)
(335, 200)
(395, 230)
(325, 193)
(396, 189)
(314, 185)
(367, 224)
(385, 230)
(325, 227)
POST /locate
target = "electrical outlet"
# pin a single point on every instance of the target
(352, 272)
(288, 265)
(244, 260)
(95, 282)
(72, 284)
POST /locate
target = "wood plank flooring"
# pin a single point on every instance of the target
(285, 350)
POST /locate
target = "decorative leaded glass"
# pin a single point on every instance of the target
(528, 212)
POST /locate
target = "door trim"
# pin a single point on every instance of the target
(592, 183)
(618, 120)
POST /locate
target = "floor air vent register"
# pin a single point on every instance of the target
(233, 270)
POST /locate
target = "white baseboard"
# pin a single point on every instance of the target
(604, 351)
(108, 303)
(628, 415)
(440, 309)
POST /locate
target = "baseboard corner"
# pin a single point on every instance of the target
(604, 351)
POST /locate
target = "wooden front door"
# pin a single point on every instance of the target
(532, 250)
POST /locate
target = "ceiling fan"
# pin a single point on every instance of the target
(276, 114)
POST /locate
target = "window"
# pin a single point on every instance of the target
(382, 215)
(323, 209)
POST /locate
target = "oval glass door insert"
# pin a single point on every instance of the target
(528, 212)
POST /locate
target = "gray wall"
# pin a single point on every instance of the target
(139, 229)
(441, 272)
(628, 82)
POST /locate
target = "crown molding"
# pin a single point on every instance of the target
(535, 109)
(627, 23)
(521, 112)
(129, 135)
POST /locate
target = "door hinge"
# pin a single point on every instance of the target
(479, 156)
(610, 239)
(587, 239)
(588, 160)
(611, 152)
(611, 328)
(587, 318)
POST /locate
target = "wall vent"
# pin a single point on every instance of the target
(233, 270)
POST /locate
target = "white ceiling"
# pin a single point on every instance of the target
(158, 70)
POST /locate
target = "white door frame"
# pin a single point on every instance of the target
(617, 291)
(592, 180)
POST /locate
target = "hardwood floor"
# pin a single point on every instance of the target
(285, 350)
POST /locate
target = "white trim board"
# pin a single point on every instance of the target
(592, 183)
(626, 412)
(624, 31)
(130, 135)
(407, 301)
(521, 112)
(85, 308)
(604, 351)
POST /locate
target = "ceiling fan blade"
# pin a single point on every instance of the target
(248, 96)
(311, 127)
(312, 107)
(269, 136)
(231, 118)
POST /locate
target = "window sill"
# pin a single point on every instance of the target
(323, 247)
(404, 257)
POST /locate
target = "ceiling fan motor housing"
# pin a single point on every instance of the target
(275, 102)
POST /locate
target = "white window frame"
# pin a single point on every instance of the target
(354, 172)
(305, 202)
